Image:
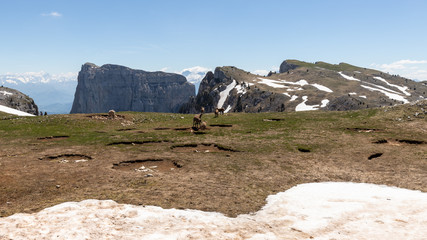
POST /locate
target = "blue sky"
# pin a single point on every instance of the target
(59, 36)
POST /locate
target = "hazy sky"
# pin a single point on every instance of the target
(59, 36)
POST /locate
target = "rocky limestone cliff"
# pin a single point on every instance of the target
(17, 100)
(231, 88)
(302, 86)
(101, 89)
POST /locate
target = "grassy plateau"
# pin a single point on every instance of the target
(231, 167)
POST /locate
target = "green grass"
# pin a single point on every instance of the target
(334, 67)
(288, 132)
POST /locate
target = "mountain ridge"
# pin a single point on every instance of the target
(301, 86)
(16, 100)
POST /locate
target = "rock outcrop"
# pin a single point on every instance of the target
(285, 67)
(231, 88)
(101, 89)
(17, 100)
(302, 86)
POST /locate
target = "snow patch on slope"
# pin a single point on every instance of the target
(227, 109)
(14, 111)
(241, 88)
(390, 95)
(324, 103)
(321, 87)
(224, 94)
(293, 98)
(348, 77)
(272, 83)
(300, 83)
(6, 93)
(304, 107)
(402, 89)
(315, 210)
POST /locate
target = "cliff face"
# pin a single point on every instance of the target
(302, 86)
(101, 89)
(17, 100)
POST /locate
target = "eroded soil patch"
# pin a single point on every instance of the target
(161, 128)
(303, 149)
(274, 120)
(380, 141)
(181, 129)
(136, 142)
(148, 166)
(105, 116)
(51, 138)
(204, 147)
(221, 125)
(68, 157)
(399, 142)
(410, 141)
(375, 155)
(366, 130)
(125, 129)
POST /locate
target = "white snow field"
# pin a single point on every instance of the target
(331, 210)
(14, 111)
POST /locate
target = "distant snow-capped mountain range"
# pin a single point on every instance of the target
(54, 93)
(36, 77)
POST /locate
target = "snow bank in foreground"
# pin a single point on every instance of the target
(14, 111)
(314, 210)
